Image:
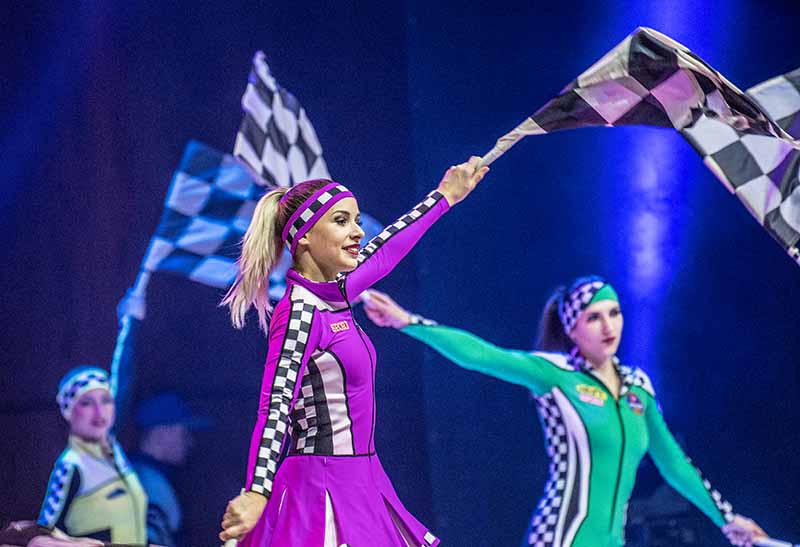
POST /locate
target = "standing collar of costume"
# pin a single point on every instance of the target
(576, 359)
(113, 454)
(93, 448)
(329, 291)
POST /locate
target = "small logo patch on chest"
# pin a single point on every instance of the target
(340, 326)
(117, 492)
(635, 403)
(591, 394)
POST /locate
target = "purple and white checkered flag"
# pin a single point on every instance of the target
(276, 139)
(748, 140)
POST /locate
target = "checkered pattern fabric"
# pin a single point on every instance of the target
(305, 417)
(57, 491)
(286, 374)
(761, 169)
(415, 319)
(212, 195)
(303, 222)
(276, 139)
(403, 222)
(571, 306)
(745, 139)
(72, 388)
(724, 506)
(541, 532)
(634, 377)
(208, 208)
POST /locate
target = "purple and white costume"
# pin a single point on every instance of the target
(318, 405)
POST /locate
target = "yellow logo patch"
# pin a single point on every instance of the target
(340, 326)
(591, 394)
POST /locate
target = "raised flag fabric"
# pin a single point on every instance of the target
(748, 140)
(275, 138)
(207, 210)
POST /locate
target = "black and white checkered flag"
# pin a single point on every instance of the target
(276, 139)
(746, 139)
(206, 212)
(212, 195)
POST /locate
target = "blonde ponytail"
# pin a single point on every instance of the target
(261, 250)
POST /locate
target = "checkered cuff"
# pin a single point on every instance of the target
(415, 319)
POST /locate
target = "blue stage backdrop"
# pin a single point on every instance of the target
(101, 97)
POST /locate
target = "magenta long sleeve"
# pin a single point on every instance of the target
(315, 346)
(387, 249)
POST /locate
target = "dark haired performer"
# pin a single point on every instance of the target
(599, 416)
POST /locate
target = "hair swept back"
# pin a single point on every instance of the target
(262, 247)
(551, 335)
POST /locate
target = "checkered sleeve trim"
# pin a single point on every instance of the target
(416, 213)
(723, 505)
(292, 357)
(64, 484)
(416, 319)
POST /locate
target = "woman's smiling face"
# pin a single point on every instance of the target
(334, 241)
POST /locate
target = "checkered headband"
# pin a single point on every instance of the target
(311, 211)
(579, 296)
(76, 383)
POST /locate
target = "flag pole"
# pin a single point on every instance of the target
(131, 310)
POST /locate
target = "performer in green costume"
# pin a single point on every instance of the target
(599, 416)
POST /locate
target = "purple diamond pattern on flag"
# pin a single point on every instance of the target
(748, 140)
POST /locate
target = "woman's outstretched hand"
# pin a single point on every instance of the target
(743, 531)
(384, 311)
(461, 179)
(241, 515)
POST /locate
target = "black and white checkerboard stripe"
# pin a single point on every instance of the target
(747, 140)
(208, 208)
(282, 392)
(312, 210)
(83, 381)
(276, 139)
(633, 377)
(762, 170)
(571, 306)
(57, 491)
(723, 505)
(403, 222)
(542, 529)
(304, 419)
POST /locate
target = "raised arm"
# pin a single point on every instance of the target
(387, 249)
(293, 335)
(679, 472)
(464, 348)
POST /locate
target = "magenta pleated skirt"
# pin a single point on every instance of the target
(366, 509)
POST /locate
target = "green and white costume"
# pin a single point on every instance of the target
(595, 440)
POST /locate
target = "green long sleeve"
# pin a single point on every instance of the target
(678, 471)
(471, 352)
